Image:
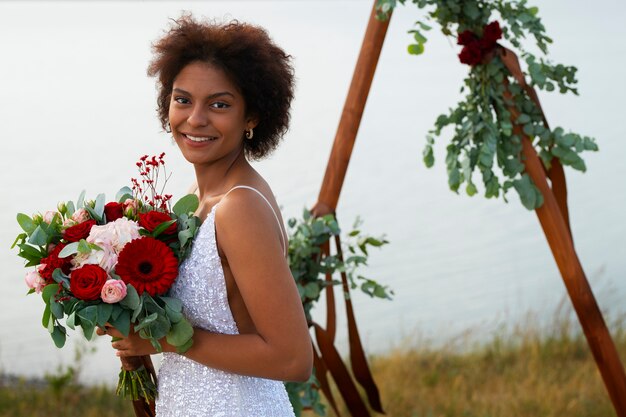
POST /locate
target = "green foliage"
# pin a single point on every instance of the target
(483, 138)
(309, 267)
(305, 395)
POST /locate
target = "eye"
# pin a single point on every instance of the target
(181, 100)
(220, 105)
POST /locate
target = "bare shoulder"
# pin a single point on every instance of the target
(245, 219)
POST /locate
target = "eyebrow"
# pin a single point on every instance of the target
(210, 97)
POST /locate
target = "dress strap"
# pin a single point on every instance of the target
(282, 236)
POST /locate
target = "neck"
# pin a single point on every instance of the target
(218, 177)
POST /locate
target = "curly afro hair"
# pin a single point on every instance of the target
(260, 69)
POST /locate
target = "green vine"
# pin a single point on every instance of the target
(483, 129)
(309, 267)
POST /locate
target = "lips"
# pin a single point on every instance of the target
(199, 138)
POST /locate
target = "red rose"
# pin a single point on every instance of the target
(152, 219)
(52, 262)
(475, 49)
(471, 54)
(466, 37)
(491, 33)
(86, 282)
(79, 231)
(148, 264)
(113, 211)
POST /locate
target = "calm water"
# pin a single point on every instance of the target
(77, 110)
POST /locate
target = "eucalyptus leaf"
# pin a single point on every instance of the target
(124, 192)
(146, 321)
(121, 322)
(58, 336)
(45, 319)
(99, 207)
(26, 223)
(88, 314)
(69, 249)
(38, 237)
(103, 314)
(80, 203)
(187, 204)
(49, 291)
(83, 247)
(71, 209)
(173, 303)
(56, 309)
(71, 320)
(131, 301)
(180, 333)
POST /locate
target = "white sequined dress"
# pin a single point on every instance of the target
(189, 389)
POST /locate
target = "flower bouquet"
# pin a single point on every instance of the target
(100, 263)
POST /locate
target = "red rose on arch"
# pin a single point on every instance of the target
(86, 282)
(491, 33)
(466, 37)
(475, 49)
(152, 219)
(52, 262)
(148, 264)
(113, 211)
(79, 231)
(471, 54)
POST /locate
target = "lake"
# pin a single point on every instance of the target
(77, 110)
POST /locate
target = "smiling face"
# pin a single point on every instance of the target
(207, 114)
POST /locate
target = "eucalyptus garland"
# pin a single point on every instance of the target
(309, 266)
(483, 128)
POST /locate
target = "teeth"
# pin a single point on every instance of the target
(200, 139)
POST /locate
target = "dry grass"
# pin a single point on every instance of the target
(523, 372)
(24, 400)
(528, 371)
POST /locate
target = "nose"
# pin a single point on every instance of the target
(198, 117)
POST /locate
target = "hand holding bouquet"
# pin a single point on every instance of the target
(98, 263)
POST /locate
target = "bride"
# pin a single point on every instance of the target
(224, 93)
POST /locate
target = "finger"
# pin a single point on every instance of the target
(124, 353)
(119, 344)
(112, 331)
(100, 331)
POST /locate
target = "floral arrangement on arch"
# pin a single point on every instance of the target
(484, 141)
(98, 263)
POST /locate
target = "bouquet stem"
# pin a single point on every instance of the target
(137, 382)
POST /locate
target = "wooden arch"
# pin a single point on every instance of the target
(553, 217)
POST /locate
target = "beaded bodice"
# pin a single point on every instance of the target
(190, 389)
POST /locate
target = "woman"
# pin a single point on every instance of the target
(225, 93)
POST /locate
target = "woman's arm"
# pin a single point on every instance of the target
(281, 347)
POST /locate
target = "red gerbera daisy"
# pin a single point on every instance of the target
(148, 264)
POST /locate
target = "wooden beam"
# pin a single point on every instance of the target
(351, 115)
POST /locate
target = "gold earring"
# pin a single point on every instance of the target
(249, 133)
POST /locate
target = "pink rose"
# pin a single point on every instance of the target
(35, 281)
(131, 203)
(81, 215)
(69, 223)
(48, 216)
(113, 291)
